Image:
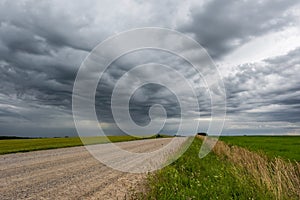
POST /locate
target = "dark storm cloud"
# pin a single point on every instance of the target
(267, 91)
(145, 97)
(44, 26)
(45, 79)
(222, 26)
(42, 44)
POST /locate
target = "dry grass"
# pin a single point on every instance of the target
(280, 177)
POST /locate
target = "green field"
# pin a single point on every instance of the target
(209, 178)
(24, 145)
(286, 147)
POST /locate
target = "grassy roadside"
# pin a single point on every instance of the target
(286, 147)
(282, 178)
(209, 178)
(25, 145)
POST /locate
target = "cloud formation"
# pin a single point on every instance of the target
(267, 92)
(43, 43)
(222, 26)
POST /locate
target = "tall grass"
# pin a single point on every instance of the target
(281, 177)
(209, 178)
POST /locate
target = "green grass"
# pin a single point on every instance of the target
(286, 147)
(24, 145)
(209, 178)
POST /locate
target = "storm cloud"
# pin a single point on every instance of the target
(222, 26)
(43, 43)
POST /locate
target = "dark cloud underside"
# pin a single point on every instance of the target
(43, 43)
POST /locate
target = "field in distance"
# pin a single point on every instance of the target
(25, 145)
(286, 147)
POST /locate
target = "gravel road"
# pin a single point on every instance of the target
(69, 173)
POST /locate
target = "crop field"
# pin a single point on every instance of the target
(286, 147)
(24, 145)
(231, 171)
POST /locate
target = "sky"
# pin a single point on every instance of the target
(255, 45)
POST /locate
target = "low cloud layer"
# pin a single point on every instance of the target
(266, 93)
(43, 43)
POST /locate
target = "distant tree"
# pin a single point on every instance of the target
(202, 134)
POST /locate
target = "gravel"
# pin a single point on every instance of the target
(71, 173)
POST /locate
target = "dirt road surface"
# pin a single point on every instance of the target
(69, 173)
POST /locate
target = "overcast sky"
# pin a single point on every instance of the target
(255, 45)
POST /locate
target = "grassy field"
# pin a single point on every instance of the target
(209, 178)
(286, 147)
(24, 145)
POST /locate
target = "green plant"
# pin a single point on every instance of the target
(209, 178)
